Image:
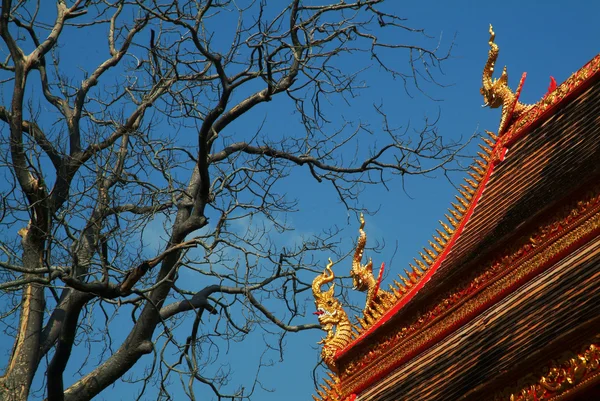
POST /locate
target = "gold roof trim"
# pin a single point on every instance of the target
(437, 246)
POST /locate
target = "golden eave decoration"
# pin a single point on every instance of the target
(561, 376)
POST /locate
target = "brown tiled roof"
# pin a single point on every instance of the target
(542, 168)
(542, 165)
(553, 312)
(552, 156)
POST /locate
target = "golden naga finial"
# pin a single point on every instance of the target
(332, 317)
(496, 92)
(362, 275)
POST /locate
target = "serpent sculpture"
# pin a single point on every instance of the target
(332, 317)
(362, 275)
(496, 92)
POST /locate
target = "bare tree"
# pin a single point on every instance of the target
(149, 121)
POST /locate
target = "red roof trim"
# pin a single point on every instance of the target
(575, 85)
(411, 293)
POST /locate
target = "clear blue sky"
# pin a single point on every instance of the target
(543, 38)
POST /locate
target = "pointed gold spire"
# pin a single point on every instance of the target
(457, 214)
(416, 270)
(481, 163)
(400, 287)
(443, 235)
(477, 170)
(336, 381)
(488, 142)
(420, 264)
(484, 156)
(448, 229)
(453, 222)
(462, 201)
(426, 258)
(407, 283)
(321, 394)
(315, 398)
(439, 240)
(485, 149)
(414, 278)
(435, 246)
(394, 291)
(465, 194)
(362, 322)
(468, 189)
(475, 176)
(492, 135)
(411, 276)
(471, 183)
(454, 213)
(374, 312)
(430, 252)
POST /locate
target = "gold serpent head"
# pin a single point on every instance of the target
(328, 307)
(332, 317)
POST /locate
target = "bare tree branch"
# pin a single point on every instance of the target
(144, 187)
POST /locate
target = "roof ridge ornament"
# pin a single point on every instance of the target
(496, 92)
(363, 278)
(332, 317)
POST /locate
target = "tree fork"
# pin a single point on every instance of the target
(136, 345)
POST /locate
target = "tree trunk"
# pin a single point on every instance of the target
(16, 382)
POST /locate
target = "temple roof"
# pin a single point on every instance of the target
(527, 171)
(546, 159)
(542, 164)
(477, 362)
(543, 167)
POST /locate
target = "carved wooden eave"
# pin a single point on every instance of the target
(541, 204)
